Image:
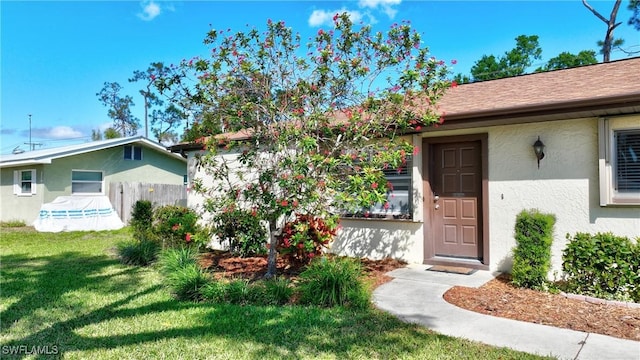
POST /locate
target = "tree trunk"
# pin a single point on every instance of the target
(273, 254)
(611, 25)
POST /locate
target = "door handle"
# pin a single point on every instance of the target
(436, 206)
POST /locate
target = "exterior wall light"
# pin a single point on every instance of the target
(538, 148)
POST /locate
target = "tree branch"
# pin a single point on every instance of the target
(595, 12)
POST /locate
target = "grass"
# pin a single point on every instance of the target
(68, 292)
(12, 224)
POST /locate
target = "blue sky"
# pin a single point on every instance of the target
(55, 56)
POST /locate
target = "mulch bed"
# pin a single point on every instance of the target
(224, 265)
(499, 298)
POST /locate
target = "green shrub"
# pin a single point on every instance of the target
(532, 254)
(183, 273)
(175, 225)
(142, 219)
(602, 265)
(334, 282)
(138, 252)
(243, 232)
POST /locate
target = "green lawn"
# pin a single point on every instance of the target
(66, 293)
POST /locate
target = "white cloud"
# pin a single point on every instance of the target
(372, 4)
(58, 132)
(150, 10)
(325, 17)
(386, 6)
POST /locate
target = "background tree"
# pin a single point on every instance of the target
(148, 77)
(119, 108)
(96, 135)
(634, 6)
(311, 119)
(609, 41)
(513, 62)
(163, 123)
(109, 133)
(567, 60)
(517, 60)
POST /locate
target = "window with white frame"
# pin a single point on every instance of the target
(399, 196)
(24, 182)
(132, 152)
(619, 161)
(86, 182)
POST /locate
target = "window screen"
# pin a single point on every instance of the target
(627, 146)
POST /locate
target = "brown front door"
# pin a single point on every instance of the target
(456, 182)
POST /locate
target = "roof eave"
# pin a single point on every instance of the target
(25, 162)
(627, 103)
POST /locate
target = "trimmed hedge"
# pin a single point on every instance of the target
(532, 254)
(602, 265)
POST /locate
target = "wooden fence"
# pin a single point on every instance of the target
(123, 196)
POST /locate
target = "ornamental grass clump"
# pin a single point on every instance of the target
(274, 291)
(532, 254)
(138, 252)
(332, 282)
(184, 275)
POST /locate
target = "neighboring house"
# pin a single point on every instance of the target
(478, 170)
(32, 178)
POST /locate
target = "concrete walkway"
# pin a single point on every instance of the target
(415, 295)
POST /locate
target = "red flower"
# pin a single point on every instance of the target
(175, 227)
(374, 185)
(386, 205)
(300, 245)
(295, 203)
(284, 203)
(187, 237)
(454, 84)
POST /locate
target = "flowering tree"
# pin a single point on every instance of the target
(318, 127)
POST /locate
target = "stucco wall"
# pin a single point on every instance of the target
(566, 185)
(377, 239)
(14, 207)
